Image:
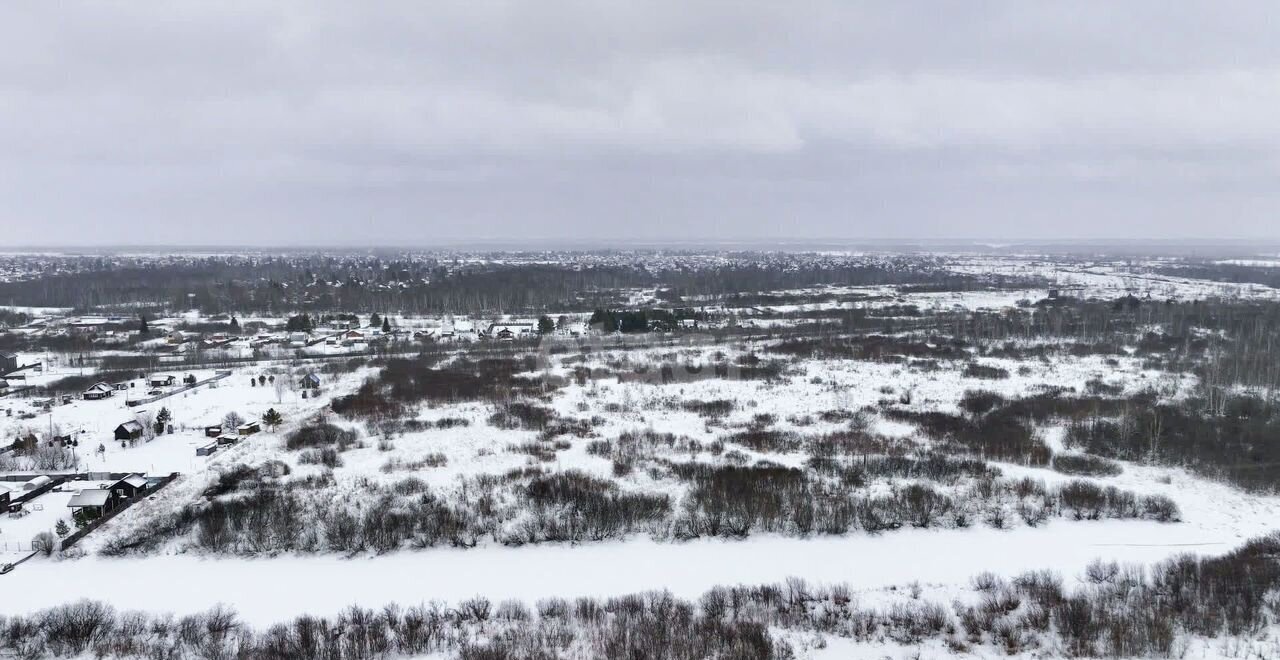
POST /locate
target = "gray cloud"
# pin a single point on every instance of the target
(394, 123)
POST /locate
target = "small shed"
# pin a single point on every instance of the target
(228, 439)
(213, 431)
(130, 430)
(310, 382)
(207, 449)
(249, 428)
(8, 362)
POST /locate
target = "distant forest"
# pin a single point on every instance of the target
(414, 285)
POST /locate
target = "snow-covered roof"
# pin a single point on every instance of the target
(99, 387)
(90, 497)
(36, 482)
(132, 426)
(135, 480)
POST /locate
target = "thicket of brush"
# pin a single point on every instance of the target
(403, 383)
(249, 510)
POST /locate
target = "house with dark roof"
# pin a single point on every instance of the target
(8, 362)
(130, 430)
(161, 380)
(129, 487)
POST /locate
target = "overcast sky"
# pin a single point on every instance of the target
(424, 122)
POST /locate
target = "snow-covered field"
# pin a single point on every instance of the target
(266, 590)
(43, 515)
(267, 587)
(1216, 517)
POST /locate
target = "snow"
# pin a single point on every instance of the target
(266, 590)
(45, 511)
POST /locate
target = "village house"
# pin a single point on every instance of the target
(458, 330)
(511, 331)
(161, 380)
(129, 487)
(93, 503)
(97, 391)
(130, 430)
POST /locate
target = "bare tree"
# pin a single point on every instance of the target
(281, 386)
(232, 420)
(44, 543)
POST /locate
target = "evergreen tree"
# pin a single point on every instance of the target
(162, 419)
(545, 325)
(61, 529)
(386, 325)
(142, 324)
(235, 325)
(272, 418)
(375, 320)
(299, 323)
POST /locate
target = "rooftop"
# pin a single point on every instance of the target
(90, 497)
